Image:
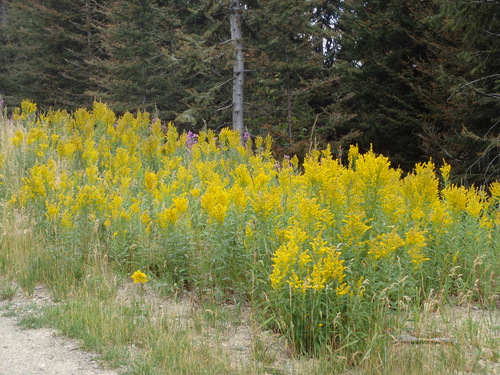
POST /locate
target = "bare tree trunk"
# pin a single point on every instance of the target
(289, 105)
(238, 68)
(3, 12)
(88, 25)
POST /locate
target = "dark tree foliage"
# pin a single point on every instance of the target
(139, 68)
(381, 49)
(411, 79)
(465, 123)
(47, 48)
(289, 81)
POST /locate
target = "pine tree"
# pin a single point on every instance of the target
(474, 89)
(48, 48)
(289, 79)
(136, 69)
(381, 50)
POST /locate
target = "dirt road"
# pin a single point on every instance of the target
(41, 351)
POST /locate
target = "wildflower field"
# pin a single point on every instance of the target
(326, 253)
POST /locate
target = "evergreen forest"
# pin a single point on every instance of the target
(411, 80)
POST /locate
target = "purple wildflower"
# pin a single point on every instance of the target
(191, 139)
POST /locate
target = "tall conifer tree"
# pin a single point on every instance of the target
(469, 133)
(290, 80)
(381, 49)
(48, 49)
(137, 71)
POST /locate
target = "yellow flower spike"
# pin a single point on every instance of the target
(103, 116)
(495, 190)
(266, 203)
(195, 192)
(360, 287)
(139, 277)
(36, 135)
(52, 210)
(219, 212)
(239, 197)
(150, 180)
(310, 268)
(215, 202)
(27, 108)
(259, 141)
(167, 216)
(249, 233)
(354, 228)
(416, 241)
(353, 156)
(67, 220)
(343, 289)
(90, 155)
(384, 245)
(181, 203)
(304, 258)
(475, 203)
(268, 141)
(229, 138)
(145, 218)
(445, 172)
(456, 198)
(18, 138)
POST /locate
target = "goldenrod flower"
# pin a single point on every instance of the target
(151, 180)
(139, 277)
(445, 172)
(18, 138)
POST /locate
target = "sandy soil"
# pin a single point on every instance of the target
(40, 351)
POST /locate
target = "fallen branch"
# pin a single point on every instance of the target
(409, 339)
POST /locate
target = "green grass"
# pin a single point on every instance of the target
(146, 333)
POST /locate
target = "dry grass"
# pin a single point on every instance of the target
(227, 339)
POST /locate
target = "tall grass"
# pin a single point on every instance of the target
(329, 254)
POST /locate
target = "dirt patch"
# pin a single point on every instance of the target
(474, 332)
(40, 351)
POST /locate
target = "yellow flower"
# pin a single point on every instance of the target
(180, 203)
(238, 196)
(495, 190)
(27, 108)
(229, 138)
(151, 180)
(354, 229)
(445, 172)
(353, 156)
(167, 216)
(215, 202)
(18, 138)
(416, 241)
(195, 192)
(342, 289)
(475, 203)
(52, 210)
(312, 268)
(384, 245)
(456, 198)
(139, 277)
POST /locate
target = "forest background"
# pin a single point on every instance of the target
(412, 79)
